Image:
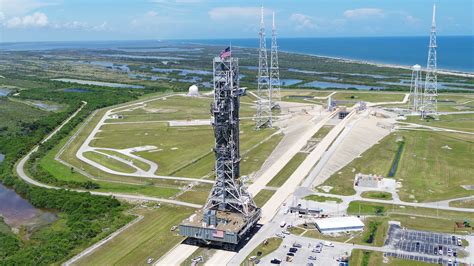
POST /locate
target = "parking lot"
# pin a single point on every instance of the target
(440, 260)
(421, 243)
(327, 256)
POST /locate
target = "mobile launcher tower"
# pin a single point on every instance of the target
(230, 212)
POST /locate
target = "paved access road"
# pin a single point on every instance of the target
(20, 170)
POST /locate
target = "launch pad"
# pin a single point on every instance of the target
(230, 212)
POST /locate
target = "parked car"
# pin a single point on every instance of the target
(149, 260)
(311, 258)
(318, 248)
(297, 245)
(293, 250)
(435, 251)
(280, 235)
(285, 232)
(282, 224)
(459, 241)
(290, 254)
(328, 244)
(275, 261)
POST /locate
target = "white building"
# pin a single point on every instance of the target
(193, 91)
(339, 224)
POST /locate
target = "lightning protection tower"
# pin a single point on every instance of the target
(416, 89)
(230, 212)
(264, 92)
(274, 68)
(430, 95)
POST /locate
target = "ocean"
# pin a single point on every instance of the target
(454, 52)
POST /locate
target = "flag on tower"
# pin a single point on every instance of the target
(225, 53)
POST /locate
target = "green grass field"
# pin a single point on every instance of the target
(376, 195)
(462, 122)
(150, 237)
(137, 163)
(263, 196)
(369, 96)
(109, 162)
(286, 172)
(322, 198)
(425, 219)
(469, 203)
(271, 245)
(427, 171)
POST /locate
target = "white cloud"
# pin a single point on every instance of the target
(101, 27)
(303, 22)
(151, 13)
(21, 7)
(364, 13)
(37, 19)
(222, 13)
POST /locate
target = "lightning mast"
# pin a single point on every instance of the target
(264, 93)
(416, 93)
(430, 95)
(274, 68)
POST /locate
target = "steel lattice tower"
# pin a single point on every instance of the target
(416, 89)
(264, 93)
(274, 68)
(430, 95)
(228, 192)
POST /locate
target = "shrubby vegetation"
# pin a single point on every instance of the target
(84, 218)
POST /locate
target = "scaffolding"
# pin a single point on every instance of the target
(230, 212)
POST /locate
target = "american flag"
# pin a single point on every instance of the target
(225, 53)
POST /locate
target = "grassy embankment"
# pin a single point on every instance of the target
(151, 237)
(427, 169)
(361, 257)
(272, 244)
(462, 122)
(376, 195)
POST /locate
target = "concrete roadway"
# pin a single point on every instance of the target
(223, 257)
(20, 170)
(139, 173)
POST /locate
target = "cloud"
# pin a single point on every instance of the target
(303, 22)
(37, 19)
(222, 13)
(364, 13)
(21, 7)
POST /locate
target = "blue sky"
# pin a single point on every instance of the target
(57, 20)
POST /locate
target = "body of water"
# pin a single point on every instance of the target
(18, 211)
(4, 92)
(328, 85)
(100, 83)
(454, 52)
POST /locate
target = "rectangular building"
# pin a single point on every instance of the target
(339, 224)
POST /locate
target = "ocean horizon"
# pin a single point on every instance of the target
(454, 52)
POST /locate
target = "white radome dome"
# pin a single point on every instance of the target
(193, 90)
